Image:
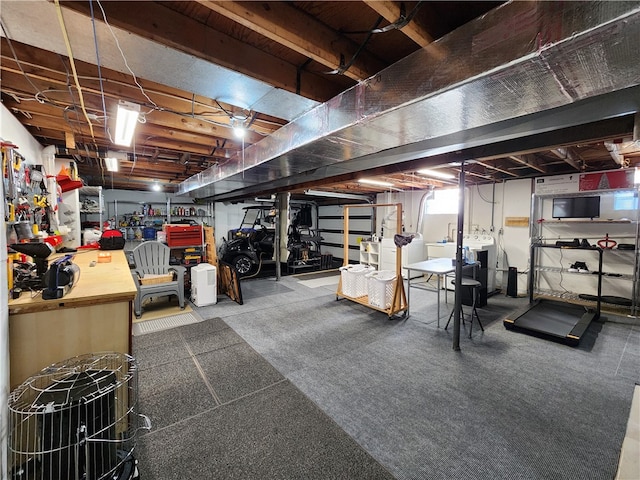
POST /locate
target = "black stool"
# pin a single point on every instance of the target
(473, 286)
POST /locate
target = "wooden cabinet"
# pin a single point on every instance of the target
(94, 316)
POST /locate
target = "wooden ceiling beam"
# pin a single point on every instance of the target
(284, 24)
(529, 161)
(158, 23)
(568, 156)
(498, 169)
(392, 12)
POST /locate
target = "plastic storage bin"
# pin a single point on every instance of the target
(380, 288)
(354, 280)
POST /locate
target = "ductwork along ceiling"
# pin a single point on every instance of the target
(524, 77)
(554, 60)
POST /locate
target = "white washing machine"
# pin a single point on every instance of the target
(483, 241)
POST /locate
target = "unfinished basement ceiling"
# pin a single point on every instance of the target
(521, 91)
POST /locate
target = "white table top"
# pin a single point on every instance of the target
(438, 266)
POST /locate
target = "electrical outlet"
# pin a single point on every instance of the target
(501, 231)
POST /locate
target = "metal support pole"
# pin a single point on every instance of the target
(457, 309)
(276, 240)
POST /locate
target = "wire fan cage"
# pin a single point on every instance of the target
(77, 419)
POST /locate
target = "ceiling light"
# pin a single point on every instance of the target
(126, 121)
(239, 132)
(370, 181)
(322, 193)
(436, 174)
(156, 186)
(111, 163)
(112, 160)
(238, 127)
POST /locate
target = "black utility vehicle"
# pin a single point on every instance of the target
(251, 245)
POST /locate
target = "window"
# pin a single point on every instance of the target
(625, 201)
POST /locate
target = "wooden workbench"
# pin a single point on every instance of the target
(95, 316)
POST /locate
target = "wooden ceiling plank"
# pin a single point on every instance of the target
(282, 23)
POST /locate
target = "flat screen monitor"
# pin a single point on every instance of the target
(576, 207)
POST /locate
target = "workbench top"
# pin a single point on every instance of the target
(100, 283)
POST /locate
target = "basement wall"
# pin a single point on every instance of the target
(10, 131)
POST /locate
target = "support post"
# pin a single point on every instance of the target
(458, 282)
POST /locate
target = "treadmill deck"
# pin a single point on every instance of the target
(561, 320)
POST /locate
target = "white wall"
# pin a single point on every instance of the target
(10, 131)
(513, 244)
(486, 207)
(227, 216)
(4, 350)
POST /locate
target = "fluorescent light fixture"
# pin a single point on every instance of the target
(111, 163)
(370, 181)
(321, 193)
(436, 174)
(126, 121)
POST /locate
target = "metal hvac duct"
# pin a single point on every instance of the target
(519, 60)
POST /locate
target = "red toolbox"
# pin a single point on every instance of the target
(183, 235)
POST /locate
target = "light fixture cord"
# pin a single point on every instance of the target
(73, 67)
(135, 79)
(95, 41)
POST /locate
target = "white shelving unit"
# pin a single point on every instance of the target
(69, 216)
(92, 203)
(370, 253)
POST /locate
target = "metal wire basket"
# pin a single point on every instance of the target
(77, 419)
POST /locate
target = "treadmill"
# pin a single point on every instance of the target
(555, 319)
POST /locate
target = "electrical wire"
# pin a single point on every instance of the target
(73, 65)
(95, 42)
(480, 195)
(76, 129)
(561, 278)
(343, 68)
(135, 79)
(15, 57)
(403, 21)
